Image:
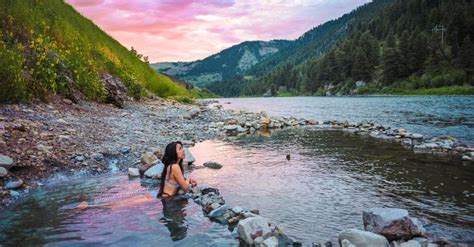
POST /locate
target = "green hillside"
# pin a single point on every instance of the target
(47, 47)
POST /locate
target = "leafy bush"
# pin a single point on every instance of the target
(12, 83)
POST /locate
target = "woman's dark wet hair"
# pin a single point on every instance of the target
(170, 157)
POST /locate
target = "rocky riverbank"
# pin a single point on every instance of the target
(40, 141)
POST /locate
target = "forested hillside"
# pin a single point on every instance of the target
(226, 64)
(46, 47)
(411, 46)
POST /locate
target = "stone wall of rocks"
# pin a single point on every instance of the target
(444, 145)
(247, 225)
(391, 227)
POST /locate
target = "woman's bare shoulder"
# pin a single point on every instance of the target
(175, 167)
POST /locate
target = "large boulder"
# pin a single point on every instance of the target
(362, 238)
(6, 162)
(116, 90)
(148, 158)
(251, 228)
(155, 171)
(393, 223)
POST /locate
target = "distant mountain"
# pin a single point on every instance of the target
(226, 64)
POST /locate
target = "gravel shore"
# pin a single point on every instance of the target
(62, 137)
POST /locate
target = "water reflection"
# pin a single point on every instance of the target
(333, 176)
(174, 217)
(122, 213)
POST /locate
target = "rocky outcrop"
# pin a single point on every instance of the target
(252, 229)
(444, 145)
(116, 90)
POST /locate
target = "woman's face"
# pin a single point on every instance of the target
(180, 151)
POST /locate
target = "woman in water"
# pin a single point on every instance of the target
(172, 177)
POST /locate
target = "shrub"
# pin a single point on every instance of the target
(12, 83)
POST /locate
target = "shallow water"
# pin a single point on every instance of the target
(427, 115)
(332, 176)
(45, 217)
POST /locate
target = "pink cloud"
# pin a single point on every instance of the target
(186, 30)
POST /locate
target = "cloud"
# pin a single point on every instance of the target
(186, 30)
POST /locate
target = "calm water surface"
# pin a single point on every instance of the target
(45, 217)
(332, 176)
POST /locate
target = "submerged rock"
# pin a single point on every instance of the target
(212, 165)
(362, 238)
(466, 158)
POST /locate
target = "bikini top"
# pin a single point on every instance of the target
(167, 180)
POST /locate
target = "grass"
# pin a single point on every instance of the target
(449, 90)
(47, 47)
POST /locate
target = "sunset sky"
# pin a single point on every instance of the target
(187, 30)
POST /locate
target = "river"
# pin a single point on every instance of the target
(329, 179)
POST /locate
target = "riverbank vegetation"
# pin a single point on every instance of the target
(46, 47)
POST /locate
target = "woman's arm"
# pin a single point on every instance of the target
(179, 177)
